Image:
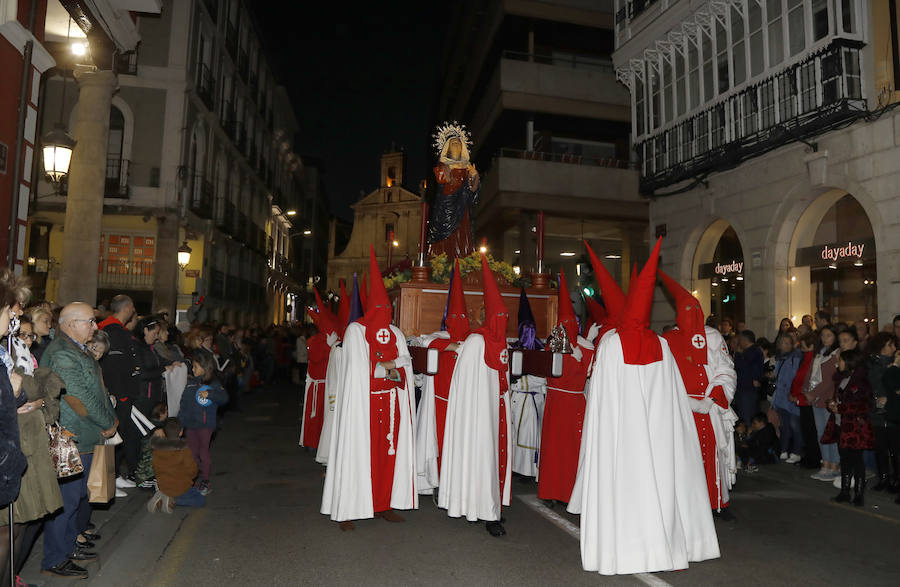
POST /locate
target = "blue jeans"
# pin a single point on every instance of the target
(829, 451)
(62, 529)
(191, 498)
(791, 434)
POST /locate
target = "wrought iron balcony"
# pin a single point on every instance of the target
(126, 63)
(206, 86)
(806, 99)
(225, 217)
(202, 198)
(116, 178)
(122, 273)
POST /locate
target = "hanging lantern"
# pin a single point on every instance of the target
(184, 255)
(57, 147)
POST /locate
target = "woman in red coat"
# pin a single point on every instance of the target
(851, 405)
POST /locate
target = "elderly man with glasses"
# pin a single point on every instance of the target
(86, 412)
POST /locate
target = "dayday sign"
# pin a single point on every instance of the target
(844, 252)
(728, 268)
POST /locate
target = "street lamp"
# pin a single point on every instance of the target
(57, 148)
(184, 255)
(307, 232)
(291, 212)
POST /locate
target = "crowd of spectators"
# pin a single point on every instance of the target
(822, 396)
(107, 375)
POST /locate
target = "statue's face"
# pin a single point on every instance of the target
(454, 149)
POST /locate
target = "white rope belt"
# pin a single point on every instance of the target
(565, 390)
(390, 434)
(315, 398)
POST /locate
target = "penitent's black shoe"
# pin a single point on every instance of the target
(495, 529)
(725, 515)
(66, 570)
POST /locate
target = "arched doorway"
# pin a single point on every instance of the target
(833, 261)
(719, 273)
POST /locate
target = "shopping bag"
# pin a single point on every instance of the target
(64, 452)
(101, 483)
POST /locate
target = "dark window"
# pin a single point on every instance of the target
(388, 229)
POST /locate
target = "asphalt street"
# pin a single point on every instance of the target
(262, 527)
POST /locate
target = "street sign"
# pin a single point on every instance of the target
(195, 273)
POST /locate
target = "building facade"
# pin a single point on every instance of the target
(198, 151)
(535, 84)
(389, 218)
(770, 149)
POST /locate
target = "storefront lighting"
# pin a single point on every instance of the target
(395, 243)
(715, 284)
(724, 279)
(793, 278)
(517, 251)
(793, 318)
(184, 255)
(858, 262)
(865, 319)
(307, 232)
(79, 49)
(567, 254)
(517, 270)
(613, 256)
(32, 261)
(832, 266)
(695, 293)
(740, 278)
(483, 249)
(291, 212)
(578, 269)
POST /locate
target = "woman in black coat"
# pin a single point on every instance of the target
(150, 366)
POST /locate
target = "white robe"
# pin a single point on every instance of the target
(333, 386)
(720, 371)
(426, 428)
(348, 480)
(641, 489)
(470, 467)
(527, 397)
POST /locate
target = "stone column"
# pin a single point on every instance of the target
(87, 181)
(165, 269)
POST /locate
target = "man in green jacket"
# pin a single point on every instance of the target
(86, 412)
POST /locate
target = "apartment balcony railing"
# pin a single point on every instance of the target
(225, 218)
(633, 9)
(206, 86)
(212, 6)
(116, 178)
(202, 198)
(126, 63)
(231, 39)
(610, 162)
(806, 99)
(121, 273)
(240, 227)
(573, 61)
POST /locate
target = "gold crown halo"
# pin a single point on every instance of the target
(450, 130)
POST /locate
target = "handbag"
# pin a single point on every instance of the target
(64, 452)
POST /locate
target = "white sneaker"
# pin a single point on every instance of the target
(123, 483)
(120, 493)
(783, 457)
(794, 458)
(837, 482)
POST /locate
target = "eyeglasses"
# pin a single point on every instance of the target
(91, 320)
(27, 336)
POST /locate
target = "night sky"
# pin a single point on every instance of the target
(360, 76)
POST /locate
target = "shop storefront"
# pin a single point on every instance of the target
(720, 282)
(839, 266)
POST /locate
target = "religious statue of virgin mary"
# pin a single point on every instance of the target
(450, 226)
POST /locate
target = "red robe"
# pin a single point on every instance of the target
(561, 429)
(384, 425)
(446, 365)
(695, 383)
(314, 400)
